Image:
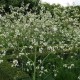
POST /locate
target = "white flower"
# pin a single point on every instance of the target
(3, 54)
(65, 65)
(55, 28)
(40, 61)
(46, 70)
(41, 37)
(69, 67)
(36, 43)
(40, 50)
(45, 43)
(58, 56)
(28, 63)
(50, 48)
(71, 56)
(72, 65)
(41, 72)
(10, 45)
(37, 67)
(55, 74)
(36, 29)
(27, 54)
(15, 63)
(42, 67)
(1, 61)
(61, 58)
(17, 32)
(31, 47)
(79, 77)
(21, 54)
(28, 70)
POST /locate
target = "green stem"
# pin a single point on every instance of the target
(34, 74)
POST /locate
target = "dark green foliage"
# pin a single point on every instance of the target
(6, 72)
(18, 3)
(10, 73)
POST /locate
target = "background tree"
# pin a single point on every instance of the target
(18, 3)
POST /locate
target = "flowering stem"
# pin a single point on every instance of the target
(34, 74)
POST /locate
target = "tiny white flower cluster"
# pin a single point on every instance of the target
(29, 63)
(17, 32)
(78, 77)
(67, 66)
(40, 61)
(51, 48)
(72, 65)
(31, 47)
(1, 61)
(21, 54)
(36, 29)
(15, 63)
(42, 70)
(55, 72)
(40, 50)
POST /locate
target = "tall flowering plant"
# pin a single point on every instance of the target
(28, 41)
